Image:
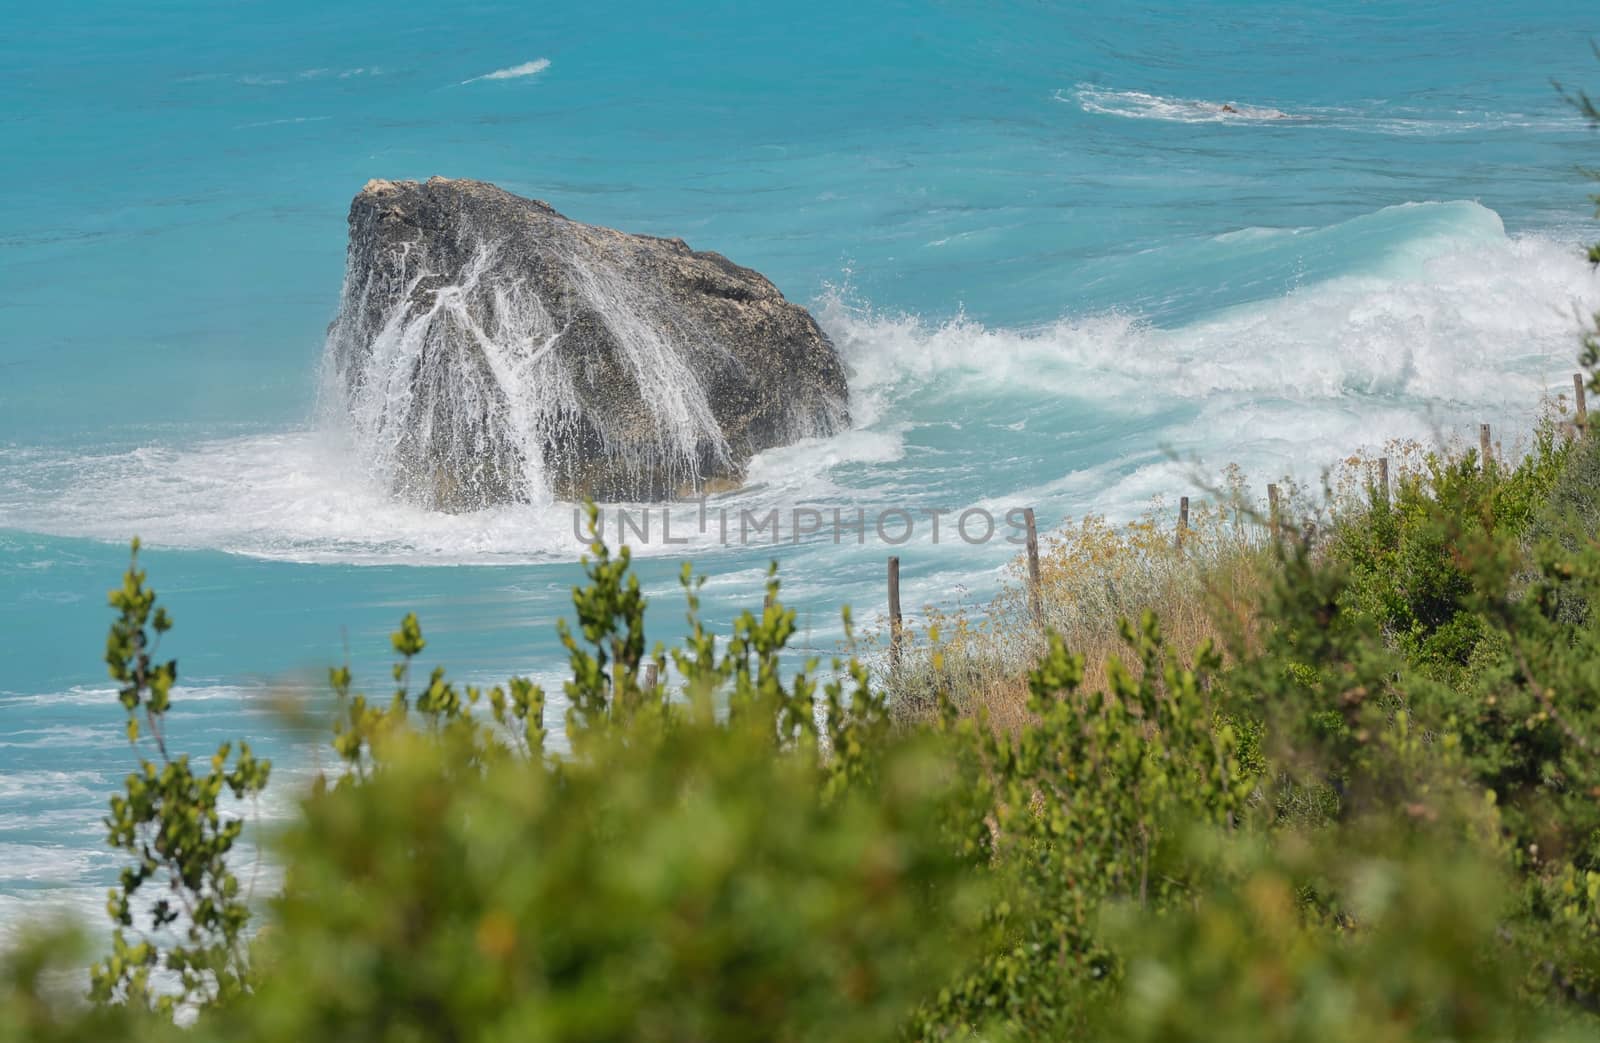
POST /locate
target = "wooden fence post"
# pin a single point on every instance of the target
(1484, 448)
(894, 613)
(1273, 520)
(1383, 479)
(1183, 519)
(1035, 600)
(649, 681)
(1580, 405)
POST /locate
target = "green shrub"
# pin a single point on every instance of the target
(1370, 814)
(1411, 950)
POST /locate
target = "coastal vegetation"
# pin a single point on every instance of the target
(1351, 793)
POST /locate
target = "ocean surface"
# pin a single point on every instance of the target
(1061, 273)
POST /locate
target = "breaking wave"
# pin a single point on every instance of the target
(1415, 319)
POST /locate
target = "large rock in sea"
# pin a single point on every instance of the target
(488, 351)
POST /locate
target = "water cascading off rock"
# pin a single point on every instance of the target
(488, 351)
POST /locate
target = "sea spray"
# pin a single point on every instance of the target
(490, 351)
(1412, 321)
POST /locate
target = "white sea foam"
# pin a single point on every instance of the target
(44, 863)
(804, 464)
(298, 497)
(514, 72)
(258, 79)
(1454, 324)
(340, 74)
(1374, 118)
(99, 695)
(19, 785)
(283, 122)
(1468, 320)
(1140, 105)
(1448, 330)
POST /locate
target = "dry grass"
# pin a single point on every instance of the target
(1092, 575)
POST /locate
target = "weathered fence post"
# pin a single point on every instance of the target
(1383, 479)
(1484, 449)
(1273, 520)
(1035, 599)
(649, 681)
(1183, 519)
(1580, 405)
(894, 612)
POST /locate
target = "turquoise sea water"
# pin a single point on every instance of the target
(1048, 255)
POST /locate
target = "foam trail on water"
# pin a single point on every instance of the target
(515, 72)
(1140, 105)
(1377, 119)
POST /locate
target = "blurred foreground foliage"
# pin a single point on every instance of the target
(1368, 811)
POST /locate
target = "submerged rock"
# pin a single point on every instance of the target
(489, 350)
